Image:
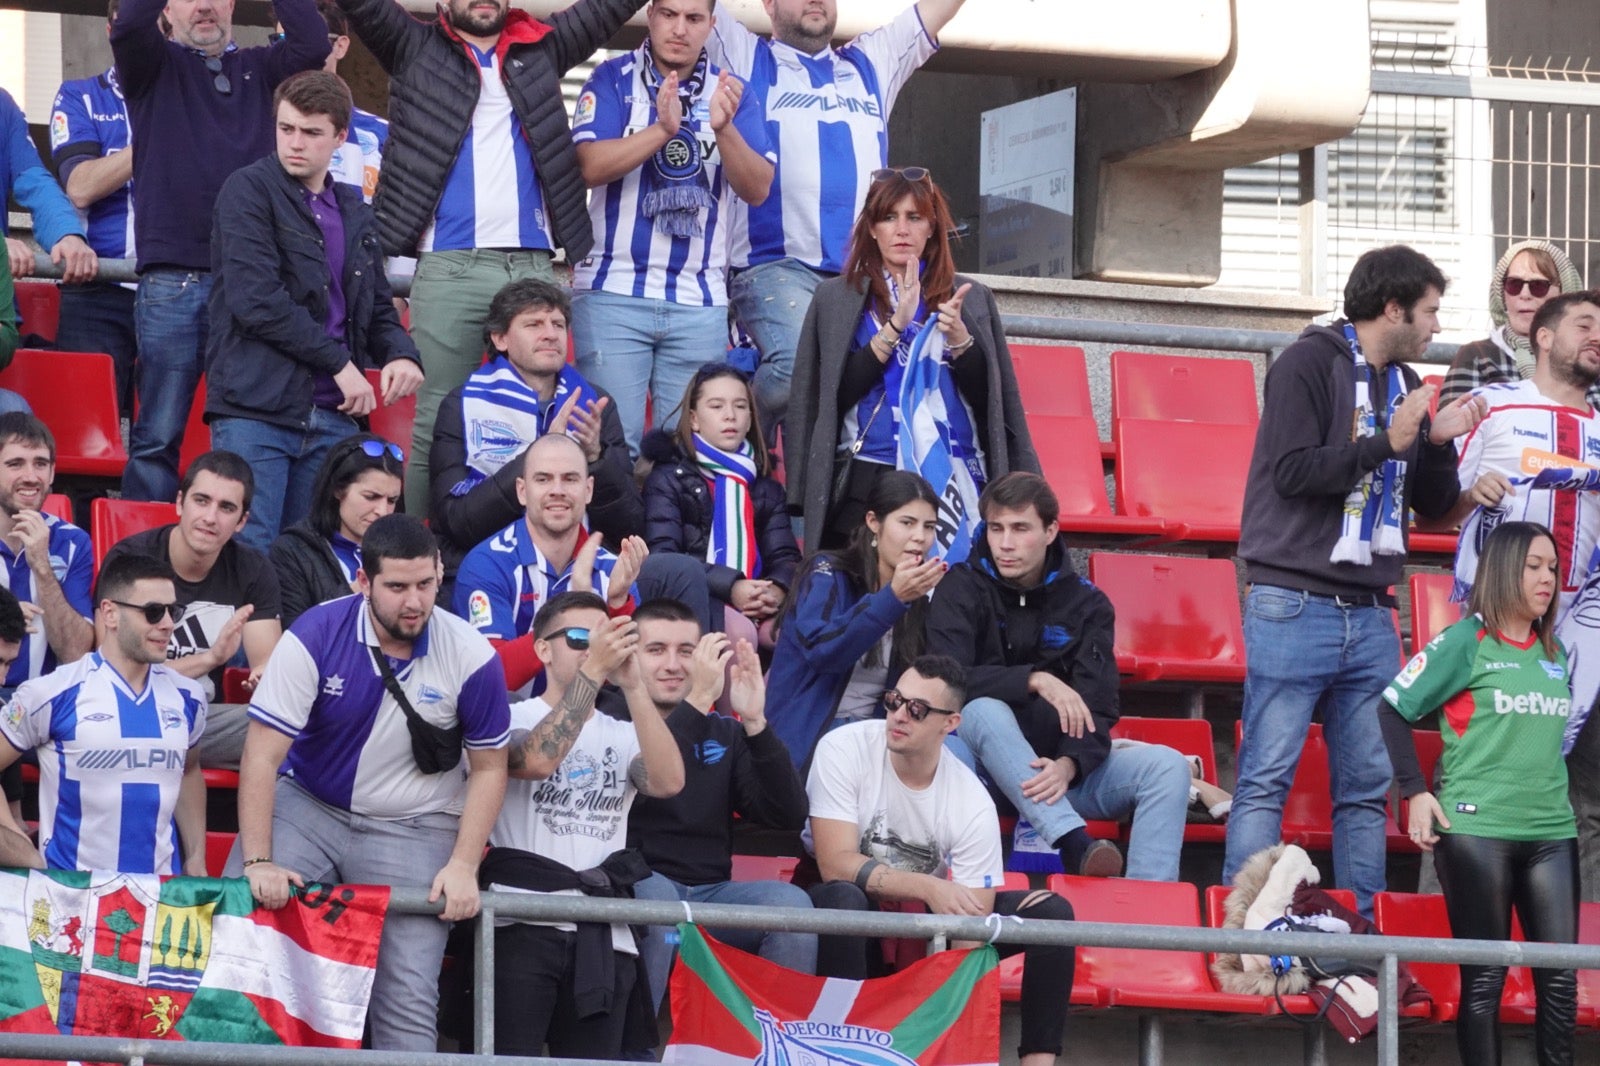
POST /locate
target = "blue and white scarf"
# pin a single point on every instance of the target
(1374, 518)
(733, 524)
(675, 192)
(925, 446)
(501, 415)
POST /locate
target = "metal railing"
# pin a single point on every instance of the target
(1386, 950)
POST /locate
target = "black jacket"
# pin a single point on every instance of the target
(308, 573)
(678, 516)
(433, 91)
(463, 522)
(689, 837)
(267, 342)
(1064, 627)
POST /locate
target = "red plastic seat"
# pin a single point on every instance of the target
(113, 520)
(59, 505)
(1429, 745)
(1431, 609)
(1069, 454)
(1054, 380)
(392, 422)
(764, 867)
(1192, 737)
(196, 433)
(1183, 388)
(1589, 980)
(1153, 980)
(218, 845)
(1410, 914)
(39, 306)
(221, 778)
(1189, 473)
(75, 394)
(1442, 545)
(1308, 809)
(1177, 617)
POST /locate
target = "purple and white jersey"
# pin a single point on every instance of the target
(828, 117)
(352, 747)
(111, 762)
(631, 257)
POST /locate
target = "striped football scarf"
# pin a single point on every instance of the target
(733, 524)
(925, 446)
(1373, 522)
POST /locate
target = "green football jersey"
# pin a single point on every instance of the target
(1502, 712)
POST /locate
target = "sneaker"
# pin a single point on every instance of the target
(1102, 859)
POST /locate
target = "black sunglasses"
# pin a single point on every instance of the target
(917, 709)
(577, 637)
(377, 449)
(909, 173)
(1537, 287)
(220, 80)
(153, 611)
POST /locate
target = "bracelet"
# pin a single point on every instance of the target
(865, 873)
(251, 862)
(957, 349)
(889, 324)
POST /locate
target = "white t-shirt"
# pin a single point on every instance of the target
(579, 815)
(950, 827)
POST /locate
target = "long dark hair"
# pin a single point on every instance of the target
(704, 376)
(1497, 587)
(346, 462)
(858, 561)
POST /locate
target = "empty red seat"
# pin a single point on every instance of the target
(112, 520)
(1308, 809)
(1410, 914)
(1185, 388)
(393, 421)
(1069, 455)
(1177, 617)
(1054, 380)
(1589, 980)
(75, 394)
(764, 867)
(1189, 473)
(1431, 609)
(1192, 737)
(39, 306)
(218, 845)
(59, 505)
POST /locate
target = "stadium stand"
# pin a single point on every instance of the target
(196, 432)
(1409, 914)
(1190, 474)
(1068, 447)
(1177, 617)
(1183, 388)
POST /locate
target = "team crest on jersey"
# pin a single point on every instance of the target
(1413, 670)
(1554, 671)
(585, 112)
(171, 718)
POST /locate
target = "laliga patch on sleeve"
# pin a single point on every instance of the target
(585, 112)
(1413, 670)
(479, 612)
(58, 129)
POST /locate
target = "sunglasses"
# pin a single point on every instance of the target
(917, 709)
(153, 611)
(219, 79)
(377, 449)
(577, 637)
(274, 38)
(1537, 287)
(909, 173)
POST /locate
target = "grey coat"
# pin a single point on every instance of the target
(811, 428)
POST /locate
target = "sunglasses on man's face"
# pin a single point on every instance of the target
(917, 709)
(577, 637)
(153, 611)
(1537, 287)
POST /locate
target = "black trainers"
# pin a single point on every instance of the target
(1102, 859)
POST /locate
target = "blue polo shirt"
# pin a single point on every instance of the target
(72, 560)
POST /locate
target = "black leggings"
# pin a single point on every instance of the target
(1046, 969)
(1482, 880)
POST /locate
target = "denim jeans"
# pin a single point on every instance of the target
(797, 951)
(285, 462)
(1306, 651)
(1149, 781)
(99, 317)
(632, 345)
(172, 321)
(771, 300)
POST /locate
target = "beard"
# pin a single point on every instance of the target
(479, 25)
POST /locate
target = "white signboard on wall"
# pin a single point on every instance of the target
(1025, 186)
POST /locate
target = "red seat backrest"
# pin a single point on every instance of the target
(1309, 804)
(1184, 388)
(1069, 453)
(1053, 380)
(39, 306)
(218, 845)
(1101, 899)
(59, 505)
(1172, 607)
(1191, 736)
(196, 433)
(1431, 609)
(75, 394)
(1185, 472)
(392, 422)
(764, 867)
(112, 520)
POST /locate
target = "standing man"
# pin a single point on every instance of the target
(353, 803)
(119, 784)
(1345, 450)
(48, 564)
(229, 592)
(201, 108)
(733, 767)
(91, 152)
(828, 119)
(486, 425)
(564, 827)
(1042, 689)
(359, 160)
(482, 185)
(669, 144)
(300, 309)
(55, 225)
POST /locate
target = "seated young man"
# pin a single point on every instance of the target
(895, 816)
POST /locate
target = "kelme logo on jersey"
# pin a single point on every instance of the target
(1531, 703)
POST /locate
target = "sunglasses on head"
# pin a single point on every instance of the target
(153, 611)
(1537, 287)
(917, 709)
(377, 449)
(577, 637)
(219, 79)
(909, 173)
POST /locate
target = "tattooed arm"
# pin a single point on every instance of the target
(536, 753)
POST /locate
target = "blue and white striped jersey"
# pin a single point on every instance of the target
(72, 562)
(359, 159)
(89, 120)
(111, 762)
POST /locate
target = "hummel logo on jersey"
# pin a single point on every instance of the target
(1531, 703)
(131, 758)
(1518, 431)
(333, 686)
(808, 101)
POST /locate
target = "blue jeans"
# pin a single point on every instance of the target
(797, 951)
(99, 317)
(285, 462)
(1305, 651)
(1150, 781)
(172, 321)
(631, 345)
(771, 300)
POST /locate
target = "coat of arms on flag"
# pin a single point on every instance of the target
(732, 1007)
(184, 958)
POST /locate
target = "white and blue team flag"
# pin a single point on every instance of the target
(925, 449)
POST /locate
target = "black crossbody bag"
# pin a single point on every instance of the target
(434, 748)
